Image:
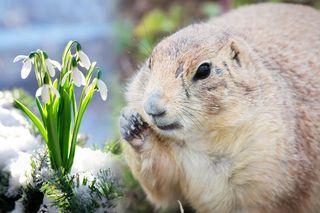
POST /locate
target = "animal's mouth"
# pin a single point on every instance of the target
(172, 126)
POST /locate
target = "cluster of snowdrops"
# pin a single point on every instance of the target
(51, 178)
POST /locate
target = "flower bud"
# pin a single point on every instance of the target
(74, 62)
(45, 55)
(32, 54)
(46, 78)
(99, 74)
(78, 47)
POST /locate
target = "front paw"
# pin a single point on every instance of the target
(132, 127)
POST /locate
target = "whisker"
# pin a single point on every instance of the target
(193, 118)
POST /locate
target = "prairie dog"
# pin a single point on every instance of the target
(225, 115)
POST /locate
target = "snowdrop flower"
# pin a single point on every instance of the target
(102, 87)
(51, 65)
(44, 92)
(27, 64)
(84, 59)
(76, 76)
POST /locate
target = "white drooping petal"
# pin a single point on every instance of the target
(65, 77)
(51, 70)
(56, 64)
(39, 91)
(19, 58)
(54, 90)
(45, 93)
(26, 68)
(78, 77)
(102, 89)
(84, 59)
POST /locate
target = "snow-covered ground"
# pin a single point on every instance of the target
(18, 144)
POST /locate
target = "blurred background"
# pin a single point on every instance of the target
(118, 34)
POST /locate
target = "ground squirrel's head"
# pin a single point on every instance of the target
(199, 74)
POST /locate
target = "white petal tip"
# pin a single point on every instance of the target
(26, 68)
(19, 58)
(56, 64)
(102, 89)
(85, 61)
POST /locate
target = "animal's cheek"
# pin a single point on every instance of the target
(213, 103)
(215, 98)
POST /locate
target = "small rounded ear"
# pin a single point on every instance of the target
(239, 53)
(240, 56)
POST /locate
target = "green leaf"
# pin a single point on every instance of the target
(35, 120)
(42, 113)
(74, 101)
(56, 105)
(55, 84)
(53, 137)
(64, 125)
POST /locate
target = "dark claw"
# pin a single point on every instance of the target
(132, 126)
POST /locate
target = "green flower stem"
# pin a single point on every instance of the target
(88, 77)
(74, 101)
(44, 67)
(82, 108)
(37, 69)
(67, 58)
(66, 67)
(67, 51)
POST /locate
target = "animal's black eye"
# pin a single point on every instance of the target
(203, 71)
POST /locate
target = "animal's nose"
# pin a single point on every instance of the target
(154, 106)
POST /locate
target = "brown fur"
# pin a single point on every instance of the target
(251, 131)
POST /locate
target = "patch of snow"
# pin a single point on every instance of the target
(18, 207)
(15, 136)
(83, 194)
(20, 172)
(17, 144)
(46, 173)
(11, 118)
(6, 99)
(92, 161)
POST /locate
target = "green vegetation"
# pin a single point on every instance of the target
(69, 193)
(60, 112)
